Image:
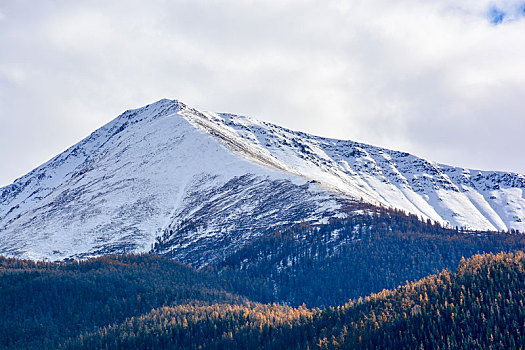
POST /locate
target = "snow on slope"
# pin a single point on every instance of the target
(207, 182)
(122, 186)
(482, 200)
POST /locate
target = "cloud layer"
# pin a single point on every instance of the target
(434, 78)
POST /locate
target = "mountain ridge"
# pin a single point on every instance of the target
(455, 179)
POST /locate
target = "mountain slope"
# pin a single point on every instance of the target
(484, 200)
(206, 183)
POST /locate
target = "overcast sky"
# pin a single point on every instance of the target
(444, 80)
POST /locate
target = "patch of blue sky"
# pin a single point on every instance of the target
(496, 16)
(500, 14)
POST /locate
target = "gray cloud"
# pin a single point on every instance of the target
(436, 79)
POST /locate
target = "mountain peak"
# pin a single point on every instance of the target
(154, 110)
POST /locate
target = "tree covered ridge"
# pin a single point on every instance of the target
(478, 307)
(325, 265)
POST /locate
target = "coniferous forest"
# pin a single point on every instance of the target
(480, 306)
(384, 279)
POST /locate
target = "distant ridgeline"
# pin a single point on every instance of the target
(282, 290)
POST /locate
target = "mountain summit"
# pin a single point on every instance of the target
(206, 182)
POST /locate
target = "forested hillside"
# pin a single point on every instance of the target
(478, 307)
(44, 303)
(481, 306)
(325, 265)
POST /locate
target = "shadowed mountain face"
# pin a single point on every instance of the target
(201, 184)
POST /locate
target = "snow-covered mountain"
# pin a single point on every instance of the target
(206, 182)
